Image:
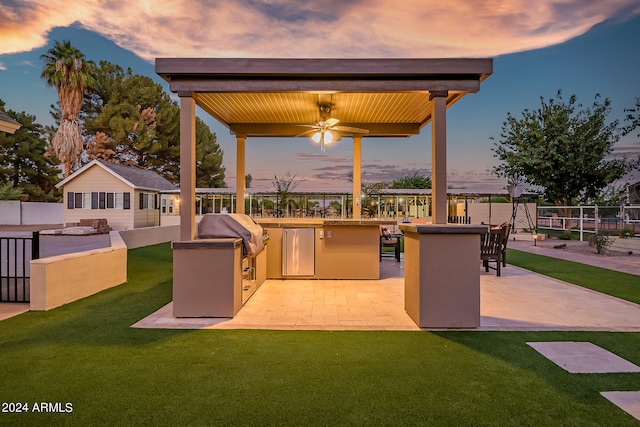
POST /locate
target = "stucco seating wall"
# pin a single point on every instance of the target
(62, 279)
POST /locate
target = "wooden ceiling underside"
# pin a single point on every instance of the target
(276, 98)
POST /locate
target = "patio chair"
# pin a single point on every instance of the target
(491, 249)
(388, 240)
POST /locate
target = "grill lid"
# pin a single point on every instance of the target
(213, 226)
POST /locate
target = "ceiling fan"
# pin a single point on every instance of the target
(326, 131)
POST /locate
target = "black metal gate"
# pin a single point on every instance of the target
(15, 255)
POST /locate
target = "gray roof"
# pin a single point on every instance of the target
(140, 178)
(5, 117)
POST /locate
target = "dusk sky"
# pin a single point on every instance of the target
(582, 47)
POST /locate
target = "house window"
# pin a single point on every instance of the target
(98, 200)
(147, 201)
(86, 201)
(114, 200)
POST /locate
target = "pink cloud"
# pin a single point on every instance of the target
(324, 28)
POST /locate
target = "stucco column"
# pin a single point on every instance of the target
(187, 166)
(357, 175)
(439, 156)
(240, 179)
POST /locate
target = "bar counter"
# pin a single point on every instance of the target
(442, 275)
(344, 248)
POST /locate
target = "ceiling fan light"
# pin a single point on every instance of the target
(316, 137)
(328, 137)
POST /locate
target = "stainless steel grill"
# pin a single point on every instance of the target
(243, 226)
(233, 225)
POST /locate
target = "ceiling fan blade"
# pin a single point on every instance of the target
(349, 129)
(306, 132)
(331, 122)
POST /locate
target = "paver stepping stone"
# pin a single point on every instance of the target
(628, 401)
(583, 357)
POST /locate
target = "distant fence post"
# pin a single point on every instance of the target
(35, 245)
(581, 223)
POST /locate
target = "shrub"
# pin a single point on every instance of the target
(565, 236)
(626, 232)
(602, 242)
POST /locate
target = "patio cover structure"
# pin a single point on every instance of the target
(278, 97)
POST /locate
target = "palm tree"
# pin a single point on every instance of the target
(284, 188)
(67, 70)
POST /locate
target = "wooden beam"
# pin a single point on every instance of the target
(357, 176)
(439, 158)
(170, 67)
(187, 168)
(240, 172)
(179, 84)
(289, 130)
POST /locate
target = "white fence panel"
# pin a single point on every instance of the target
(42, 213)
(14, 212)
(589, 219)
(10, 212)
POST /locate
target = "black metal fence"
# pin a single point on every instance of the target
(459, 220)
(15, 272)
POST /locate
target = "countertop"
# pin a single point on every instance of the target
(319, 222)
(232, 242)
(443, 228)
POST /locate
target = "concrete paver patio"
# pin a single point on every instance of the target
(628, 401)
(583, 357)
(519, 300)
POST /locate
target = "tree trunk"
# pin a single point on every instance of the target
(67, 168)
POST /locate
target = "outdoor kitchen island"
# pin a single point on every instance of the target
(441, 275)
(215, 274)
(340, 248)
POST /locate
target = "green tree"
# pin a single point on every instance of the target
(67, 70)
(375, 188)
(122, 115)
(131, 120)
(9, 192)
(562, 148)
(412, 181)
(209, 169)
(632, 118)
(23, 164)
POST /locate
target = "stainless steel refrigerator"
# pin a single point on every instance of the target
(298, 252)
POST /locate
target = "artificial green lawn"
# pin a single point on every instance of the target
(87, 354)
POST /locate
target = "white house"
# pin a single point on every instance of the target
(127, 197)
